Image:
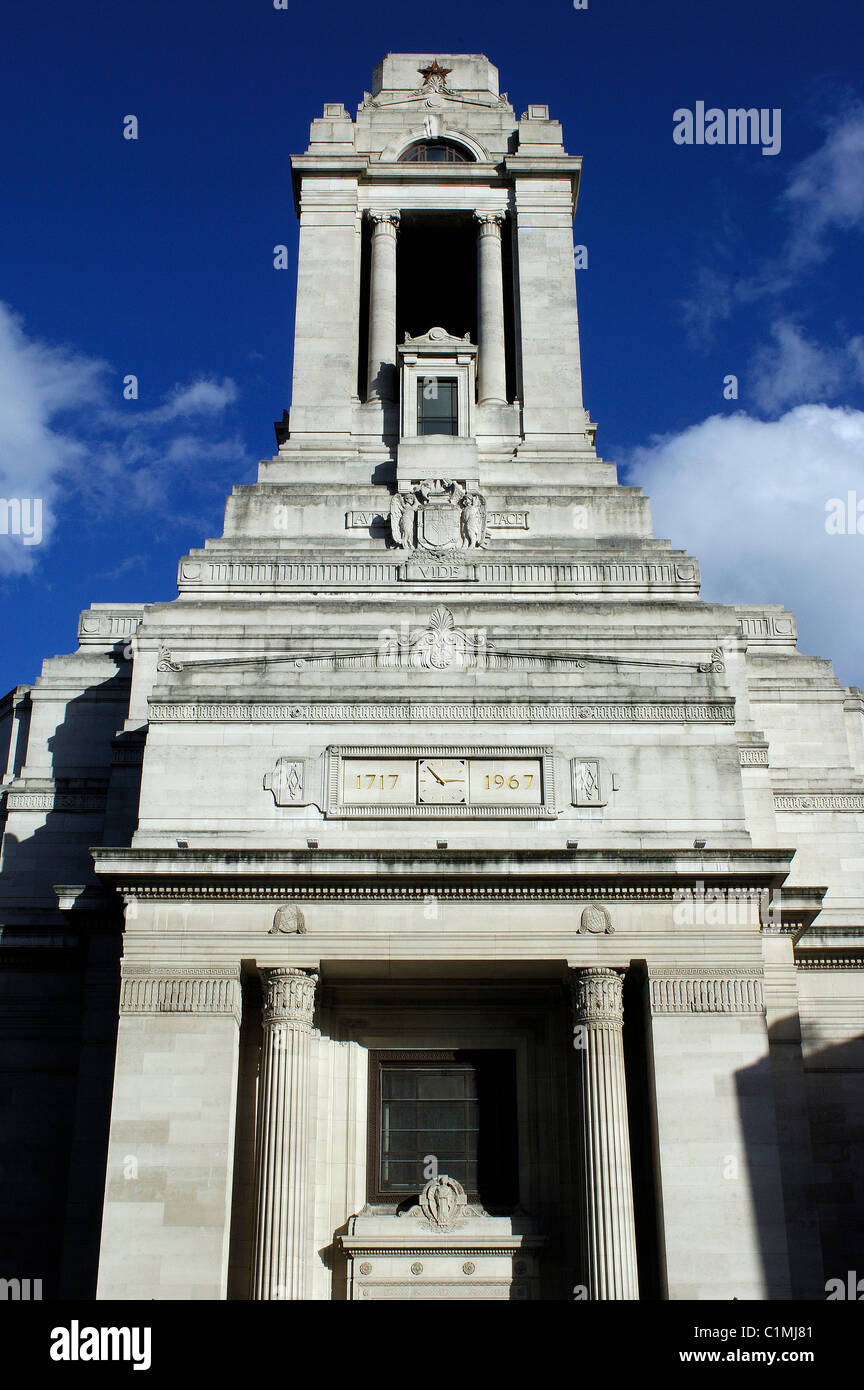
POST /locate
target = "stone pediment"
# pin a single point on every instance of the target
(439, 645)
(437, 337)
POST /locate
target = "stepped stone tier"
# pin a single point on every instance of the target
(438, 898)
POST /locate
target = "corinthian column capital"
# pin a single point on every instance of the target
(490, 222)
(385, 219)
(596, 996)
(290, 996)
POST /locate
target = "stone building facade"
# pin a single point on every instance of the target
(438, 898)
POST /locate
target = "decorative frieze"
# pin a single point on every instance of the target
(110, 624)
(66, 801)
(753, 757)
(274, 573)
(828, 962)
(719, 711)
(181, 990)
(379, 891)
(819, 801)
(590, 574)
(679, 990)
(763, 626)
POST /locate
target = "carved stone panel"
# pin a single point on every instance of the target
(287, 781)
(590, 781)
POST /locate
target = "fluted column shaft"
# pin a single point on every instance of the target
(382, 307)
(607, 1189)
(491, 366)
(283, 1138)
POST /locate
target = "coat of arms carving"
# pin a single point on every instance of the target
(439, 515)
(442, 1201)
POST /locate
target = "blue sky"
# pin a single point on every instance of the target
(154, 257)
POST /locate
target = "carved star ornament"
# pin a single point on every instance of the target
(434, 75)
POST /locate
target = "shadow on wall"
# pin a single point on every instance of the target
(57, 1063)
(818, 1123)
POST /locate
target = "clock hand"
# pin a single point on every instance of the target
(435, 774)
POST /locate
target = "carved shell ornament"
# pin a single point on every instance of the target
(715, 662)
(441, 643)
(288, 919)
(596, 920)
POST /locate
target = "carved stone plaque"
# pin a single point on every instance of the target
(286, 782)
(589, 782)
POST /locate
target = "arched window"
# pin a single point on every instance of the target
(435, 152)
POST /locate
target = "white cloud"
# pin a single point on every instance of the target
(826, 191)
(38, 383)
(794, 368)
(824, 195)
(63, 437)
(748, 498)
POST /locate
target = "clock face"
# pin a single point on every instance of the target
(443, 781)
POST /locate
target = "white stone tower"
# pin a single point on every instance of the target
(446, 820)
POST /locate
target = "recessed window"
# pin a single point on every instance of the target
(428, 1110)
(435, 152)
(437, 406)
(450, 1113)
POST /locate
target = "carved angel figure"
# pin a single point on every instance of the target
(473, 520)
(402, 505)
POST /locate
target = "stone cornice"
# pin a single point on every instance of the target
(376, 874)
(828, 958)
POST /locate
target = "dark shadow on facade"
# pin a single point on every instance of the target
(62, 1001)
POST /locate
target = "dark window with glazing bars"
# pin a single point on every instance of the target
(457, 1110)
(437, 406)
(435, 152)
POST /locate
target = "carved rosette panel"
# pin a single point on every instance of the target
(290, 997)
(596, 997)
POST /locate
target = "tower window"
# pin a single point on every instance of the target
(437, 405)
(435, 152)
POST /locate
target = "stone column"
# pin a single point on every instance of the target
(606, 1197)
(382, 307)
(282, 1146)
(492, 377)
